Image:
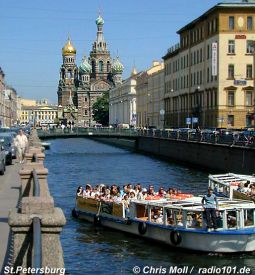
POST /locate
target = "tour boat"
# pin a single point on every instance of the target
(226, 185)
(177, 222)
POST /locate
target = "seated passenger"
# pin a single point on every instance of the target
(151, 191)
(117, 198)
(159, 218)
(142, 195)
(87, 191)
(79, 192)
(161, 192)
(132, 195)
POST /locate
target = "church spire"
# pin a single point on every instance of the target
(100, 44)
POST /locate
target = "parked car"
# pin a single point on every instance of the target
(8, 147)
(2, 157)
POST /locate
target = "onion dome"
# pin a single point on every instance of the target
(100, 20)
(117, 67)
(85, 67)
(68, 48)
(134, 71)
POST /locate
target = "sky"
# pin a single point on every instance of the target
(33, 32)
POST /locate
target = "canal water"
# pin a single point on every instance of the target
(89, 250)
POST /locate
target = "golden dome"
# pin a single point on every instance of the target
(68, 48)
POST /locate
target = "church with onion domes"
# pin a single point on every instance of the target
(80, 86)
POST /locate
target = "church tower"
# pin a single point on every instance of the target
(100, 58)
(68, 76)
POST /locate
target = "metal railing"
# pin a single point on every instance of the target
(203, 137)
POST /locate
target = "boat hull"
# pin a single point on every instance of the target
(201, 240)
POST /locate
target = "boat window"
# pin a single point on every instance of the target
(248, 217)
(157, 215)
(174, 217)
(141, 212)
(231, 219)
(194, 219)
(219, 219)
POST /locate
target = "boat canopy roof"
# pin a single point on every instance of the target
(195, 203)
(226, 179)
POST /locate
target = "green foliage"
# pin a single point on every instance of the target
(101, 110)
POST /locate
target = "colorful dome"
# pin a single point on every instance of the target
(134, 72)
(85, 67)
(117, 67)
(68, 48)
(100, 20)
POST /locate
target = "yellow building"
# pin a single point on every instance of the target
(150, 96)
(38, 113)
(209, 74)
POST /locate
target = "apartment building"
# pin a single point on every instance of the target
(209, 74)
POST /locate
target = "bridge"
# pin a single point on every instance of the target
(204, 137)
(204, 150)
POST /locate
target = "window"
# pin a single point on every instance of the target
(231, 22)
(86, 99)
(108, 66)
(231, 120)
(231, 46)
(93, 64)
(231, 98)
(231, 71)
(86, 112)
(249, 71)
(249, 46)
(249, 23)
(248, 98)
(101, 64)
(208, 51)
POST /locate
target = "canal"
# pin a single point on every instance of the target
(90, 250)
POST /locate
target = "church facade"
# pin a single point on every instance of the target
(80, 86)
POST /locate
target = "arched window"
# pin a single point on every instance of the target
(93, 64)
(108, 66)
(69, 74)
(101, 64)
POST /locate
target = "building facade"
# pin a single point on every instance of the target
(2, 101)
(10, 106)
(209, 75)
(122, 102)
(80, 86)
(150, 97)
(39, 114)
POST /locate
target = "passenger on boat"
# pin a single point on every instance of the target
(210, 204)
(137, 189)
(117, 198)
(132, 196)
(79, 192)
(151, 191)
(142, 195)
(161, 192)
(87, 191)
(158, 216)
(125, 202)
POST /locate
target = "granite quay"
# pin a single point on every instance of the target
(35, 223)
(205, 151)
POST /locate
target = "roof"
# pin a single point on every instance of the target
(223, 5)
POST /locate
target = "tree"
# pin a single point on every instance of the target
(101, 109)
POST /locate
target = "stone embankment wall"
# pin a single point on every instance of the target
(52, 218)
(219, 157)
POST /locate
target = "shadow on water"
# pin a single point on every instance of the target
(90, 250)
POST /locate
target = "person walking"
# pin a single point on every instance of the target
(210, 204)
(21, 143)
